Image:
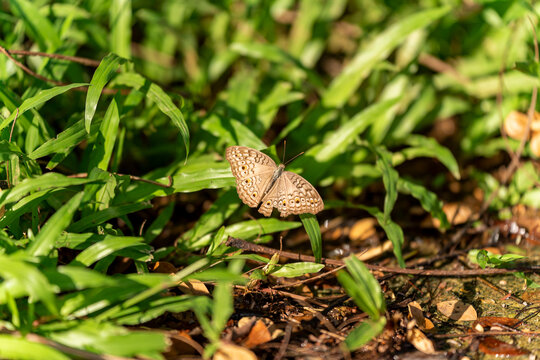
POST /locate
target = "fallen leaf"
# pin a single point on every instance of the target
(259, 334)
(416, 312)
(193, 287)
(229, 351)
(491, 346)
(457, 310)
(420, 341)
(363, 229)
(489, 321)
(164, 267)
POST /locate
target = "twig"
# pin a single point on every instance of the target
(438, 65)
(52, 81)
(486, 333)
(244, 245)
(76, 59)
(131, 177)
(285, 342)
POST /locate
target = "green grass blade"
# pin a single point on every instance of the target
(42, 97)
(428, 200)
(392, 230)
(348, 81)
(104, 248)
(319, 158)
(364, 333)
(120, 25)
(106, 138)
(43, 182)
(424, 146)
(12, 347)
(314, 232)
(164, 102)
(106, 69)
(29, 278)
(38, 26)
(390, 178)
(44, 241)
(102, 216)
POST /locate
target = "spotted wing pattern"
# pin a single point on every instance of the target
(253, 171)
(291, 194)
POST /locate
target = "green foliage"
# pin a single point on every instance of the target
(105, 163)
(367, 294)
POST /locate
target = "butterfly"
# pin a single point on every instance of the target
(260, 181)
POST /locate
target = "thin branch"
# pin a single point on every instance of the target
(131, 177)
(244, 245)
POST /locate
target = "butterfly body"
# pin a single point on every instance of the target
(260, 181)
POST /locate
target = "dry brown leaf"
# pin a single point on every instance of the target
(457, 310)
(416, 312)
(229, 351)
(489, 321)
(375, 251)
(164, 267)
(491, 346)
(420, 341)
(193, 287)
(259, 334)
(363, 229)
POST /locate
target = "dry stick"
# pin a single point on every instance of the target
(131, 177)
(285, 342)
(244, 245)
(55, 82)
(27, 70)
(76, 59)
(487, 333)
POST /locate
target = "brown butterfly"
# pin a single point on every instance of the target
(260, 181)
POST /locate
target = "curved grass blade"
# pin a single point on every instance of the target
(390, 178)
(44, 241)
(428, 200)
(343, 86)
(40, 98)
(319, 158)
(40, 183)
(392, 230)
(163, 101)
(29, 279)
(102, 75)
(424, 146)
(155, 289)
(104, 248)
(106, 138)
(100, 217)
(314, 232)
(12, 347)
(38, 26)
(64, 141)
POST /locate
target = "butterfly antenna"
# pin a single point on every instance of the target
(284, 148)
(302, 153)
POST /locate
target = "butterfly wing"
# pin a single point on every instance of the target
(253, 172)
(291, 194)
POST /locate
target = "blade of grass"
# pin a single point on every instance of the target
(314, 233)
(44, 241)
(106, 69)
